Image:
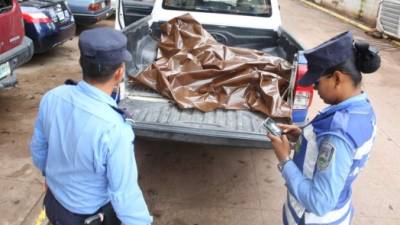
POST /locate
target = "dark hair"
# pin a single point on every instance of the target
(364, 60)
(97, 71)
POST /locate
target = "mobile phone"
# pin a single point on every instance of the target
(272, 127)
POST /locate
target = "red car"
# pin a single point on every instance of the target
(15, 48)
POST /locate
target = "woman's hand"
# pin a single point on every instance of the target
(292, 131)
(281, 146)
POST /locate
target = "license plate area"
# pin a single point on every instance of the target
(60, 15)
(5, 70)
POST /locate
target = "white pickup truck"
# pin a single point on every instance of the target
(254, 24)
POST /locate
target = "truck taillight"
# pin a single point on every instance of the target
(301, 70)
(302, 99)
(303, 95)
(36, 17)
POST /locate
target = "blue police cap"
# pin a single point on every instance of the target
(327, 55)
(104, 45)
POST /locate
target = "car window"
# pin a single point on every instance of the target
(244, 7)
(5, 5)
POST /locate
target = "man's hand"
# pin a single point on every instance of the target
(291, 130)
(281, 146)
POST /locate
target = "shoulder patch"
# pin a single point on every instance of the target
(325, 155)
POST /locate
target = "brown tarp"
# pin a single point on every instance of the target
(196, 71)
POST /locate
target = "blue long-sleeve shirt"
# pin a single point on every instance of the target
(320, 194)
(85, 149)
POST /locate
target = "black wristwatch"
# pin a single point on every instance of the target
(282, 163)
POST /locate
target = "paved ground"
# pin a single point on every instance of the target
(192, 184)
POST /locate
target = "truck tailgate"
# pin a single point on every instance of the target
(156, 117)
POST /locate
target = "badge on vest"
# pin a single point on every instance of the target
(325, 155)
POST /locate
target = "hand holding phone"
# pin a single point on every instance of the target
(272, 127)
(279, 142)
(292, 131)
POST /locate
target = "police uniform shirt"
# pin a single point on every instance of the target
(85, 149)
(320, 194)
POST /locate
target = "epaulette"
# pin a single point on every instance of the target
(125, 115)
(70, 82)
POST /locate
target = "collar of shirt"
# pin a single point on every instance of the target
(361, 97)
(96, 93)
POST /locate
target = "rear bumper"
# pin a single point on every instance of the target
(201, 136)
(16, 57)
(8, 81)
(88, 19)
(45, 42)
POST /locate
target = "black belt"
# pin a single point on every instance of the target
(107, 211)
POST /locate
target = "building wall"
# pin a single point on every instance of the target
(352, 8)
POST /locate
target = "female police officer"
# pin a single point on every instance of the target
(335, 145)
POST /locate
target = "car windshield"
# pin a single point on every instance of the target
(242, 7)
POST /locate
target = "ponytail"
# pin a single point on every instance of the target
(364, 60)
(367, 59)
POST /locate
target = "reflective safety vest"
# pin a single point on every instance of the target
(355, 124)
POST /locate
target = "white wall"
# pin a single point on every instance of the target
(352, 9)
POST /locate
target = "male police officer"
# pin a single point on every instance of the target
(82, 143)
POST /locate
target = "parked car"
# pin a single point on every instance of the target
(47, 22)
(87, 12)
(254, 25)
(15, 48)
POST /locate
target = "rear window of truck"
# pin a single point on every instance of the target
(241, 7)
(5, 5)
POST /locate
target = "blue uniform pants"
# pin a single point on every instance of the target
(58, 215)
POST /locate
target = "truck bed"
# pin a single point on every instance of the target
(158, 118)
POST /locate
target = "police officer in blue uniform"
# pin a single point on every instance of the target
(335, 145)
(83, 144)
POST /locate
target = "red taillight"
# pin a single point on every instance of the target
(94, 6)
(36, 17)
(301, 70)
(303, 95)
